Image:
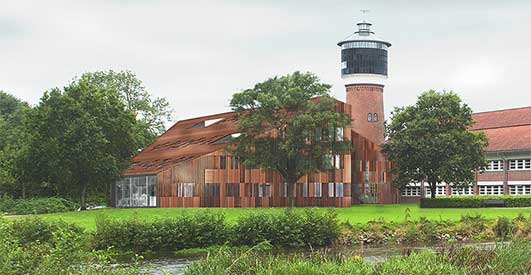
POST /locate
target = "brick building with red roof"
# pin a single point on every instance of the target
(508, 154)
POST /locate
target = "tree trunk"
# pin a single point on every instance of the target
(291, 198)
(433, 187)
(82, 195)
(23, 190)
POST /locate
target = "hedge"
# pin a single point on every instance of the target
(310, 228)
(35, 205)
(474, 201)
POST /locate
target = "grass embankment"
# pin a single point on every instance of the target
(354, 214)
(512, 259)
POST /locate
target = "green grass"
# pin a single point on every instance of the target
(354, 214)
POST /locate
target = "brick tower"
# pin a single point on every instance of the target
(364, 71)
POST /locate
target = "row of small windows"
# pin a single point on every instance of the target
(372, 117)
(514, 164)
(517, 189)
(334, 161)
(364, 44)
(335, 189)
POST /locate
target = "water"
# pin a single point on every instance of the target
(372, 253)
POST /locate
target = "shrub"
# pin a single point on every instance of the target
(35, 205)
(474, 201)
(63, 251)
(290, 228)
(503, 228)
(190, 230)
(34, 229)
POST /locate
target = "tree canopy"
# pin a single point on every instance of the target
(430, 141)
(289, 124)
(13, 138)
(83, 137)
(151, 112)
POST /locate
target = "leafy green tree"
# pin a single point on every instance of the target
(289, 124)
(83, 138)
(150, 112)
(13, 138)
(430, 141)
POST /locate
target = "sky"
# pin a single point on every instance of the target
(198, 53)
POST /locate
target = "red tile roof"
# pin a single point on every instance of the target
(502, 118)
(183, 142)
(507, 130)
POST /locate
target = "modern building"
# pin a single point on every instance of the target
(188, 165)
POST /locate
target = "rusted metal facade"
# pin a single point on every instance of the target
(193, 169)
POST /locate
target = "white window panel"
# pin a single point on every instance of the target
(491, 189)
(411, 191)
(466, 191)
(494, 165)
(520, 164)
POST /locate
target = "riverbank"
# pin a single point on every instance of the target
(502, 259)
(354, 214)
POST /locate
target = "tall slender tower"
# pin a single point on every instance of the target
(364, 72)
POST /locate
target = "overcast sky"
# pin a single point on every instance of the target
(198, 53)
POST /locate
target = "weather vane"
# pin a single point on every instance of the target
(364, 13)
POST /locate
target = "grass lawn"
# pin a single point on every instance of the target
(354, 214)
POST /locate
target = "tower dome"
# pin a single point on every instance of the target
(364, 57)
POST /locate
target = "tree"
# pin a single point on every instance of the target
(430, 141)
(150, 112)
(13, 138)
(288, 124)
(83, 138)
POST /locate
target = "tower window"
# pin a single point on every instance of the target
(375, 117)
(369, 117)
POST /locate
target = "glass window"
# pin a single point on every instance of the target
(375, 117)
(494, 165)
(339, 189)
(267, 190)
(223, 162)
(188, 190)
(411, 191)
(318, 189)
(369, 117)
(305, 189)
(234, 162)
(520, 164)
(331, 190)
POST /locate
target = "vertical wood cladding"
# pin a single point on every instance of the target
(243, 187)
(219, 181)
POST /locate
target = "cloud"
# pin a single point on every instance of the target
(198, 53)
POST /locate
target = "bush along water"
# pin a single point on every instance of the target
(469, 228)
(32, 246)
(287, 229)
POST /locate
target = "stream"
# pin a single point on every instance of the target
(370, 253)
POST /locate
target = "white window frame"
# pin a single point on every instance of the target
(411, 191)
(520, 164)
(494, 165)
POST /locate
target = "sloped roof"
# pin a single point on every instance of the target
(186, 140)
(507, 130)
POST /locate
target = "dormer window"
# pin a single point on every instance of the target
(206, 123)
